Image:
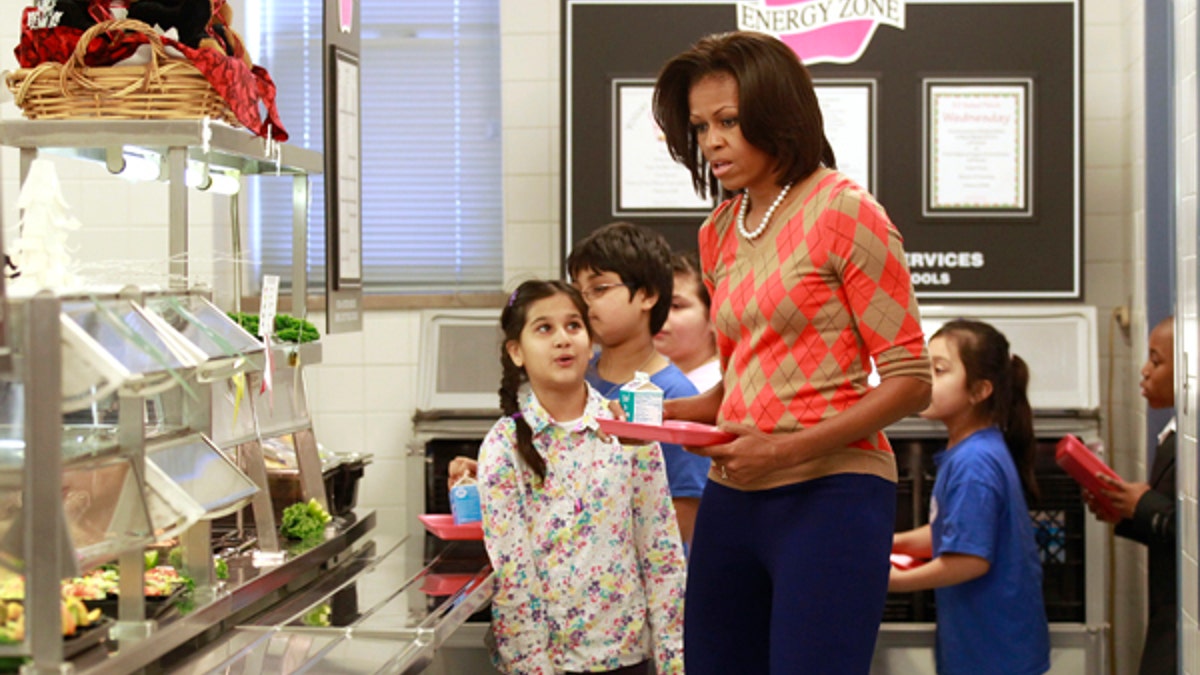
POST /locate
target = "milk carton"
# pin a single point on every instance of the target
(464, 502)
(642, 401)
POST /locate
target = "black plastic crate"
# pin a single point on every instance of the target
(1059, 518)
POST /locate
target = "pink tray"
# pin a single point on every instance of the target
(442, 526)
(444, 584)
(903, 561)
(671, 431)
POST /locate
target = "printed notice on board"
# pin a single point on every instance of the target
(846, 109)
(349, 224)
(979, 147)
(647, 178)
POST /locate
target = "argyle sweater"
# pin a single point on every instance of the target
(801, 311)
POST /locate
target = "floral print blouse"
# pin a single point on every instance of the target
(588, 564)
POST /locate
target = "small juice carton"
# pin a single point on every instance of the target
(642, 400)
(464, 502)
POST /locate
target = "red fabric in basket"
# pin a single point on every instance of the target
(243, 87)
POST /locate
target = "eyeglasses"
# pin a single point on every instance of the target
(591, 294)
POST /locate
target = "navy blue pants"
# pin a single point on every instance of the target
(789, 580)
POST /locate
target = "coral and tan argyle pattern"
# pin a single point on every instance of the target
(801, 311)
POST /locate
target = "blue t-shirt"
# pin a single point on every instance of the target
(686, 473)
(995, 623)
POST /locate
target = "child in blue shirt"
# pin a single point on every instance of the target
(985, 565)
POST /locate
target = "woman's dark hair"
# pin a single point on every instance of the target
(778, 111)
(985, 355)
(688, 262)
(637, 254)
(512, 322)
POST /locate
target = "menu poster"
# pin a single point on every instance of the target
(646, 180)
(848, 112)
(977, 147)
(346, 106)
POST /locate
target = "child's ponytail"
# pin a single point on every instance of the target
(1018, 427)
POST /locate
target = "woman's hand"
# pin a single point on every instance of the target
(746, 459)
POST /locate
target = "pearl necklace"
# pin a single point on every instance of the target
(762, 224)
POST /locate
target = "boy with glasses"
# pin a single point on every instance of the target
(624, 273)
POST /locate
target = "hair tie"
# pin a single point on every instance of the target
(512, 298)
(516, 416)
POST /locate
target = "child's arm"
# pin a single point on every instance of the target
(686, 509)
(660, 556)
(518, 609)
(947, 569)
(918, 543)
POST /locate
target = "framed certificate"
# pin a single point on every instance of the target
(978, 147)
(646, 181)
(848, 111)
(346, 124)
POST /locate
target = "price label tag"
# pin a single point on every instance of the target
(266, 310)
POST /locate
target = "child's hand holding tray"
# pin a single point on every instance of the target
(1082, 464)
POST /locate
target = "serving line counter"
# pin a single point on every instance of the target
(377, 611)
(254, 585)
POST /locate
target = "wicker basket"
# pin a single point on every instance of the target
(165, 88)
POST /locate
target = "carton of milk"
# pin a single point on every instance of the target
(642, 401)
(464, 502)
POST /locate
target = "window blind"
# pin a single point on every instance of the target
(431, 163)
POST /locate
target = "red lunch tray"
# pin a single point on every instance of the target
(1082, 464)
(671, 431)
(442, 526)
(439, 585)
(903, 561)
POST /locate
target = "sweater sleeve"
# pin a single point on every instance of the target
(878, 286)
(660, 555)
(518, 609)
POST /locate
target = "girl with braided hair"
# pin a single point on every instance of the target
(580, 529)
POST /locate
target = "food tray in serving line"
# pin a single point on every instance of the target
(442, 585)
(442, 526)
(670, 431)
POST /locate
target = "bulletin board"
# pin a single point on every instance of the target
(962, 118)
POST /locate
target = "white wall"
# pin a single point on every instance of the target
(364, 392)
(1115, 257)
(1187, 322)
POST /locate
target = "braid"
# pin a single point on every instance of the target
(510, 384)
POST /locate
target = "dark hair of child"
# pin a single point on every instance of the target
(688, 263)
(775, 115)
(640, 256)
(985, 355)
(512, 322)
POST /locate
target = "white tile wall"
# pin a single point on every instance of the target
(1187, 325)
